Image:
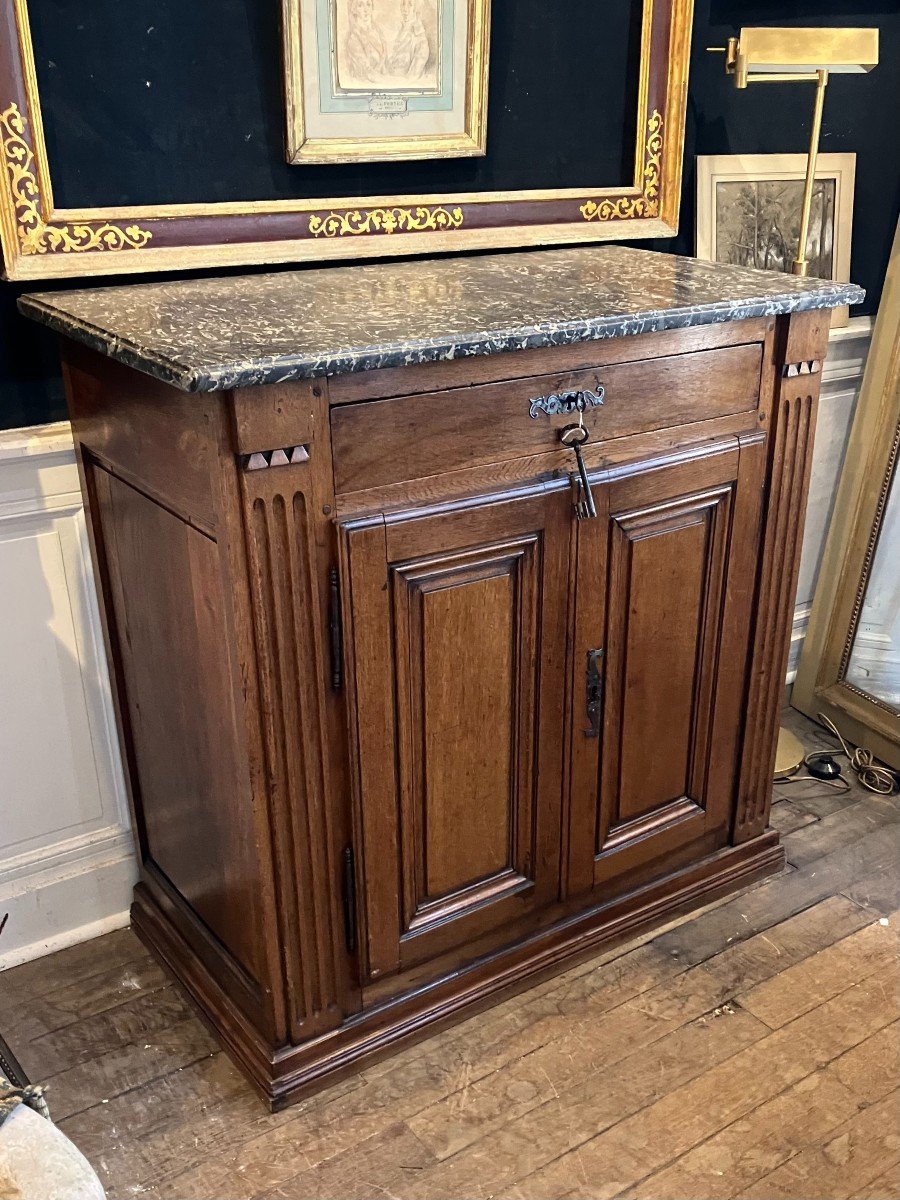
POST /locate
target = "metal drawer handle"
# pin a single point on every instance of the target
(564, 403)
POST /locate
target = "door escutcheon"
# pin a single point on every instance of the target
(594, 692)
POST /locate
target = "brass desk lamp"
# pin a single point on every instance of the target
(800, 56)
(761, 55)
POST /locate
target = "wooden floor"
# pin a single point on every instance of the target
(752, 1051)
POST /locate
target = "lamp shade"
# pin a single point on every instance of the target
(791, 51)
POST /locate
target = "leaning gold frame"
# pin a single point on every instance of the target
(41, 241)
(869, 471)
(301, 148)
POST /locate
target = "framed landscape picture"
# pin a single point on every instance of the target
(369, 80)
(748, 213)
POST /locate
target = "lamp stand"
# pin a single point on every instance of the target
(790, 754)
(801, 262)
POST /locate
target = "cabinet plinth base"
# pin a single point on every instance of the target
(285, 1074)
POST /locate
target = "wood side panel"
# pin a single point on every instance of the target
(381, 443)
(169, 431)
(149, 434)
(466, 372)
(290, 552)
(168, 608)
(800, 339)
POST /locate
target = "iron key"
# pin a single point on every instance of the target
(574, 436)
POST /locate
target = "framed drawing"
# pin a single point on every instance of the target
(748, 213)
(385, 79)
(170, 170)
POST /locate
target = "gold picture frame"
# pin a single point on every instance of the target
(468, 98)
(41, 240)
(825, 682)
(837, 172)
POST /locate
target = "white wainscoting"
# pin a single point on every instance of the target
(67, 863)
(841, 382)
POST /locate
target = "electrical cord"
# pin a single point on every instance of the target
(839, 785)
(872, 775)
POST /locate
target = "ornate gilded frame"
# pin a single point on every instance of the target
(302, 148)
(41, 241)
(869, 472)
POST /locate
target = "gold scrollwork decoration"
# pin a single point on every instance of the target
(626, 208)
(386, 220)
(653, 155)
(37, 236)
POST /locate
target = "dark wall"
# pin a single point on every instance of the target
(181, 137)
(861, 115)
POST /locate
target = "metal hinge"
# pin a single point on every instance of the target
(349, 896)
(334, 631)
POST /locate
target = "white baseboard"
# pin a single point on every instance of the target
(67, 863)
(84, 895)
(798, 636)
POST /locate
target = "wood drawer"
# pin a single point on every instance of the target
(411, 437)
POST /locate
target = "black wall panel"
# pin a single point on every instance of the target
(194, 112)
(210, 125)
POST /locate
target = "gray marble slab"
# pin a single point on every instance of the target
(204, 335)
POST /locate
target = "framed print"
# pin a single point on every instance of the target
(170, 156)
(748, 213)
(385, 79)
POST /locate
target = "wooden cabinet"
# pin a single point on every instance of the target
(402, 731)
(457, 636)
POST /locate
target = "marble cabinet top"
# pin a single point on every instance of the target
(209, 334)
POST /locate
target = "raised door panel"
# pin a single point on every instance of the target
(466, 613)
(667, 597)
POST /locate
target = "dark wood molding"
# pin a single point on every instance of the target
(803, 337)
(286, 1075)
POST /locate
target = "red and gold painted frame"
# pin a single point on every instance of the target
(41, 241)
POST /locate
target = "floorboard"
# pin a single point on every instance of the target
(751, 1051)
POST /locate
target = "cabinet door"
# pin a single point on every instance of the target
(457, 632)
(665, 590)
